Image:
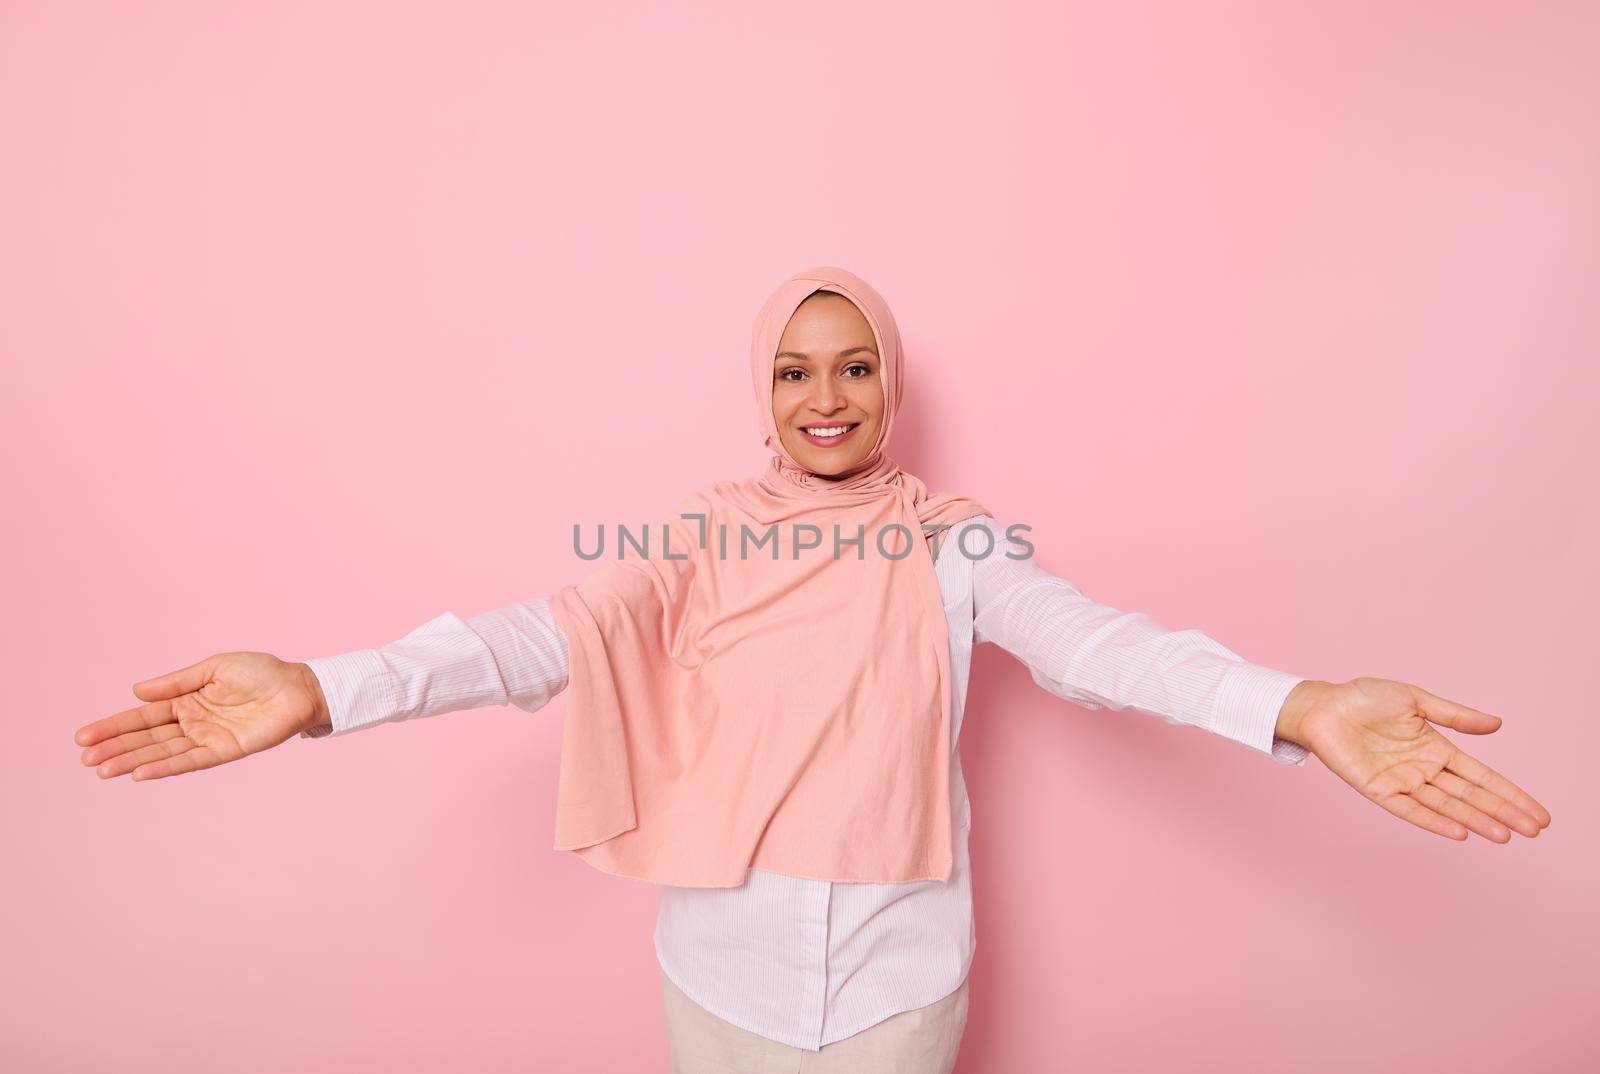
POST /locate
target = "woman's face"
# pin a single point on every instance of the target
(826, 378)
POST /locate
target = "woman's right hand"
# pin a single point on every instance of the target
(225, 707)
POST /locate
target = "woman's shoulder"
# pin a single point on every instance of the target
(982, 537)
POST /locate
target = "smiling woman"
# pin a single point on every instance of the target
(774, 740)
(827, 396)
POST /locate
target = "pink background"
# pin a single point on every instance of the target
(1274, 320)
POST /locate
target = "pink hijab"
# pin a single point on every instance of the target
(788, 710)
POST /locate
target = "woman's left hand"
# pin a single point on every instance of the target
(1377, 736)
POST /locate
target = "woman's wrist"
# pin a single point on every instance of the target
(319, 702)
(1291, 717)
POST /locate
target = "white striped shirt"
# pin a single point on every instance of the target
(809, 962)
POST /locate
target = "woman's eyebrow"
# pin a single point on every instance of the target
(842, 354)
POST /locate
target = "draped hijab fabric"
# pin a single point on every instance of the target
(739, 696)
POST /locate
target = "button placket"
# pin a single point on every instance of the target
(819, 900)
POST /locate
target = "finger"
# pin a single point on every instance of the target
(176, 683)
(1475, 771)
(1486, 800)
(1452, 715)
(1407, 808)
(133, 740)
(192, 759)
(136, 719)
(1456, 809)
(155, 751)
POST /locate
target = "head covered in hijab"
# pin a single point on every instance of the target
(787, 710)
(770, 323)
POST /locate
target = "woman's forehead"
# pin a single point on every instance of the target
(836, 317)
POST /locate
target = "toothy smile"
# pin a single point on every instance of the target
(829, 435)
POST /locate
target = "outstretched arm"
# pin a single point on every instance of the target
(1375, 734)
(231, 705)
(1100, 657)
(514, 655)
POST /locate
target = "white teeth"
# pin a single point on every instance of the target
(826, 430)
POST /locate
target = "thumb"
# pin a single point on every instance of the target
(176, 683)
(1456, 717)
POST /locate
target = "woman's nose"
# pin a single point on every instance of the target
(827, 397)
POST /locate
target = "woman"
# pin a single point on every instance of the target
(849, 950)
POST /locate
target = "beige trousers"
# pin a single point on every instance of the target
(921, 1041)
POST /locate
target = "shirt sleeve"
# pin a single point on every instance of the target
(513, 655)
(1100, 657)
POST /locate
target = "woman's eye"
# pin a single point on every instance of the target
(854, 372)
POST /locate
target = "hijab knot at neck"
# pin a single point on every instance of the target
(786, 709)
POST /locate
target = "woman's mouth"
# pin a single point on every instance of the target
(829, 435)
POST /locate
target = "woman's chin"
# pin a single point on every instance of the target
(830, 466)
(823, 461)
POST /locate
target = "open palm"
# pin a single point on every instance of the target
(1377, 736)
(225, 707)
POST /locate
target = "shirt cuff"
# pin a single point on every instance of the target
(358, 691)
(1247, 707)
